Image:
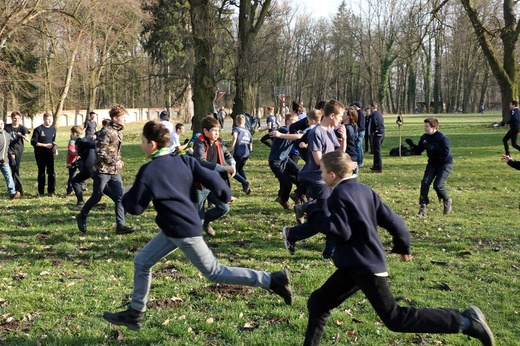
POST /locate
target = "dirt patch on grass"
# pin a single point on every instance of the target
(14, 326)
(224, 290)
(165, 304)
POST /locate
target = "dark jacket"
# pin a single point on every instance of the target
(44, 135)
(437, 146)
(377, 123)
(174, 199)
(355, 213)
(201, 148)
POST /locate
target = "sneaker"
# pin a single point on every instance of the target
(288, 245)
(124, 229)
(478, 327)
(375, 170)
(246, 187)
(422, 211)
(208, 229)
(76, 207)
(299, 213)
(17, 195)
(447, 206)
(284, 205)
(280, 285)
(82, 223)
(132, 319)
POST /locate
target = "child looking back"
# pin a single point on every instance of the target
(355, 213)
(175, 201)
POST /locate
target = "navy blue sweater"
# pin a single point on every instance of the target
(355, 213)
(170, 182)
(437, 146)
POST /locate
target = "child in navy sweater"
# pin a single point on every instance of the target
(355, 213)
(175, 201)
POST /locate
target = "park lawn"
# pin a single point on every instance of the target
(55, 283)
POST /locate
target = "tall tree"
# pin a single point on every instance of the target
(505, 71)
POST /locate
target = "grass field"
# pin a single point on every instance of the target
(55, 283)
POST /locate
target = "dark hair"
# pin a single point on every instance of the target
(374, 104)
(209, 122)
(297, 108)
(105, 122)
(514, 103)
(333, 107)
(353, 115)
(178, 126)
(47, 115)
(164, 115)
(117, 110)
(15, 113)
(320, 104)
(156, 132)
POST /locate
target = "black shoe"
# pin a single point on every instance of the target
(246, 187)
(132, 319)
(376, 170)
(124, 229)
(478, 327)
(76, 207)
(280, 285)
(82, 223)
(447, 206)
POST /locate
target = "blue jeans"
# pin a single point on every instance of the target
(438, 174)
(6, 171)
(345, 282)
(112, 185)
(198, 253)
(359, 147)
(220, 209)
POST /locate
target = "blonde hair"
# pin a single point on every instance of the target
(240, 119)
(338, 162)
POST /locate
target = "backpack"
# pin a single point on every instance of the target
(405, 151)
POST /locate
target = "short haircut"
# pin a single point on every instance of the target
(117, 110)
(297, 108)
(92, 112)
(353, 115)
(209, 122)
(315, 115)
(514, 103)
(76, 129)
(240, 119)
(47, 115)
(270, 109)
(333, 107)
(289, 116)
(178, 126)
(105, 122)
(156, 132)
(338, 162)
(374, 104)
(15, 113)
(433, 122)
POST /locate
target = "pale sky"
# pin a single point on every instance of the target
(319, 8)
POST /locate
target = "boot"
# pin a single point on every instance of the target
(447, 206)
(132, 319)
(208, 229)
(478, 327)
(280, 285)
(422, 211)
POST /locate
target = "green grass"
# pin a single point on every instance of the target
(55, 283)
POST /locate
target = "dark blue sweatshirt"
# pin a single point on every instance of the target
(355, 213)
(170, 182)
(437, 146)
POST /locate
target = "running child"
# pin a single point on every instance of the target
(241, 145)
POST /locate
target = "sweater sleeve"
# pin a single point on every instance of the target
(138, 198)
(513, 163)
(395, 225)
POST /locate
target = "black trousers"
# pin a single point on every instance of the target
(344, 283)
(45, 162)
(15, 169)
(512, 135)
(438, 174)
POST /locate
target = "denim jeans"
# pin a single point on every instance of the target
(198, 253)
(344, 283)
(112, 185)
(359, 146)
(439, 172)
(14, 163)
(220, 209)
(6, 171)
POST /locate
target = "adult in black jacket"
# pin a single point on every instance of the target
(377, 132)
(514, 128)
(44, 142)
(438, 168)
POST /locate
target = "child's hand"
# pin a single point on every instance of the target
(406, 257)
(231, 170)
(506, 158)
(275, 134)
